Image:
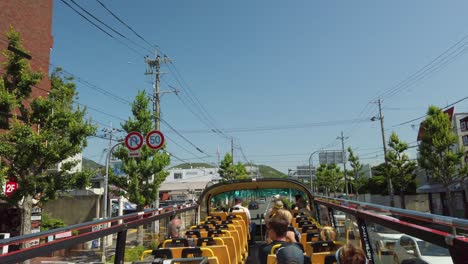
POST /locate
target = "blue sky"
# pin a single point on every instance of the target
(318, 65)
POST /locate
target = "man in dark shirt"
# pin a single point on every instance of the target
(288, 252)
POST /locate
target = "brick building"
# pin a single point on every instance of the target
(33, 19)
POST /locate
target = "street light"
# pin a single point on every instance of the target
(310, 169)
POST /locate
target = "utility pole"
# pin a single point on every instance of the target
(232, 150)
(344, 161)
(390, 185)
(154, 67)
(105, 214)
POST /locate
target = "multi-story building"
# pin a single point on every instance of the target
(187, 184)
(460, 127)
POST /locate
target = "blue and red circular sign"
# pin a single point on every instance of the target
(134, 140)
(155, 139)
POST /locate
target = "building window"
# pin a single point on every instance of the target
(465, 140)
(177, 176)
(463, 124)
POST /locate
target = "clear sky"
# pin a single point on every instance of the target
(302, 70)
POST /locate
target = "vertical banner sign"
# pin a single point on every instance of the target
(36, 218)
(366, 244)
(134, 141)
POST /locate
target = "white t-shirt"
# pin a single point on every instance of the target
(241, 208)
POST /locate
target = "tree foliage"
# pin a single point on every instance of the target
(357, 179)
(329, 177)
(438, 155)
(39, 133)
(229, 171)
(143, 175)
(400, 168)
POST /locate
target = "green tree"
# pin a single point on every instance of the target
(329, 177)
(401, 168)
(358, 180)
(378, 183)
(143, 175)
(437, 153)
(39, 133)
(229, 171)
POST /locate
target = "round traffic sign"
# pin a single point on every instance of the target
(155, 139)
(134, 140)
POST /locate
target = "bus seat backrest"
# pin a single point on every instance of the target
(233, 216)
(222, 226)
(216, 233)
(175, 242)
(304, 222)
(214, 217)
(323, 246)
(163, 253)
(191, 252)
(308, 228)
(209, 241)
(210, 222)
(206, 227)
(312, 236)
(192, 233)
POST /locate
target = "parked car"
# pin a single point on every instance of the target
(411, 248)
(262, 200)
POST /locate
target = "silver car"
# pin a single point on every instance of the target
(411, 248)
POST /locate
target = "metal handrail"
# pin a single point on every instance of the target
(438, 219)
(136, 219)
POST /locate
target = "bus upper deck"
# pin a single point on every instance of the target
(213, 234)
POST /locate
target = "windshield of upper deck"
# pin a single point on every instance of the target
(257, 199)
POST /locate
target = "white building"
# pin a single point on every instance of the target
(184, 184)
(460, 127)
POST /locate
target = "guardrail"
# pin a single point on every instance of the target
(436, 229)
(119, 225)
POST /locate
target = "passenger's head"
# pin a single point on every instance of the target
(298, 197)
(278, 204)
(349, 254)
(278, 224)
(327, 233)
(301, 203)
(238, 200)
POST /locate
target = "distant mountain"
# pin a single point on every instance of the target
(90, 164)
(192, 165)
(269, 172)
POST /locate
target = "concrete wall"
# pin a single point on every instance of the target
(417, 202)
(74, 209)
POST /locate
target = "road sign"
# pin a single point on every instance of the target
(155, 139)
(331, 156)
(10, 188)
(134, 141)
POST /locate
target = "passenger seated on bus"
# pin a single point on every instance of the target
(239, 208)
(277, 231)
(277, 204)
(175, 227)
(349, 254)
(327, 233)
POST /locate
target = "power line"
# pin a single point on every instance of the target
(125, 24)
(109, 27)
(101, 29)
(447, 106)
